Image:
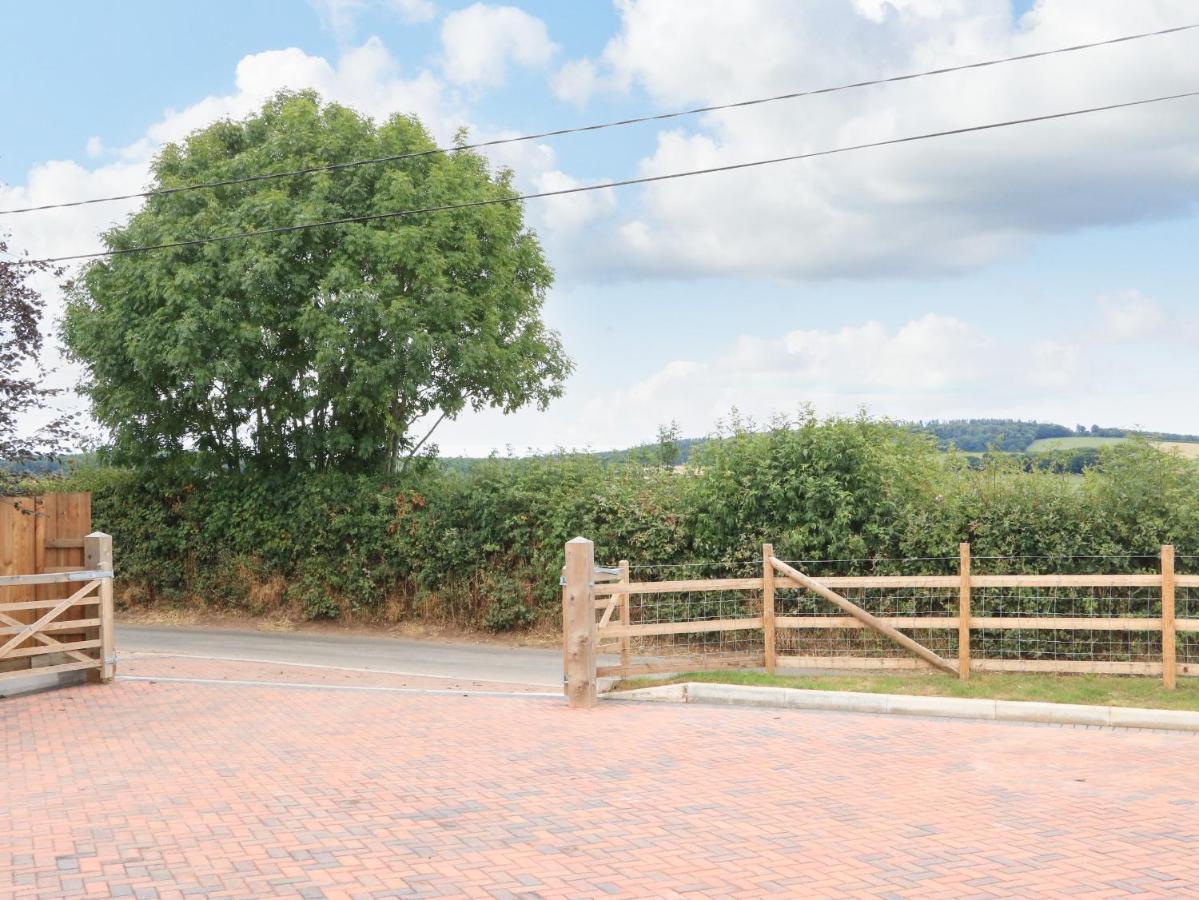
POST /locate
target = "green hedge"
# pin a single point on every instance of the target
(483, 545)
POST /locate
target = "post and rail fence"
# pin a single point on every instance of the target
(782, 617)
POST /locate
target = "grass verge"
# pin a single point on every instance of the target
(1095, 690)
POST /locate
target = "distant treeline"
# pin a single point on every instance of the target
(1016, 436)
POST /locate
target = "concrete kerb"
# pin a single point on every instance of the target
(907, 705)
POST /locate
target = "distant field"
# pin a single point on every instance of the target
(1190, 451)
(1072, 443)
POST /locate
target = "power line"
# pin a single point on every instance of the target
(371, 217)
(659, 117)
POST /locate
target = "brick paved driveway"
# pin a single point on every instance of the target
(147, 790)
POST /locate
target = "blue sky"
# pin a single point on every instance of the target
(1042, 272)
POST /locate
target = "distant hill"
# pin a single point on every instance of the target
(1018, 436)
(1015, 436)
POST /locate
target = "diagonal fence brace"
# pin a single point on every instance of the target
(867, 619)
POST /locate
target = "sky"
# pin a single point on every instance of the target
(1044, 271)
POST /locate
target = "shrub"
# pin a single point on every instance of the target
(481, 544)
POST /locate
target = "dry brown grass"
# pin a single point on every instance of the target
(1185, 449)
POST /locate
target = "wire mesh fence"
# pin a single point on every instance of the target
(1114, 623)
(697, 606)
(826, 642)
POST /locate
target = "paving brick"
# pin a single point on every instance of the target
(174, 789)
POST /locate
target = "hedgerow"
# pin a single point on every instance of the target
(482, 545)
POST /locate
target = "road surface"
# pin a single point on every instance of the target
(481, 662)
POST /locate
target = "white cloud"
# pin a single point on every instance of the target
(367, 78)
(480, 42)
(1131, 316)
(95, 146)
(413, 11)
(576, 81)
(932, 366)
(339, 16)
(948, 205)
(560, 216)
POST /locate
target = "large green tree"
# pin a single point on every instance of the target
(324, 347)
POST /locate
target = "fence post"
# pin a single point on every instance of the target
(964, 613)
(97, 555)
(578, 624)
(625, 618)
(768, 607)
(1169, 646)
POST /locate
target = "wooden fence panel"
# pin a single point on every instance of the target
(42, 535)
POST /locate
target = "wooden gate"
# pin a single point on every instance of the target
(55, 588)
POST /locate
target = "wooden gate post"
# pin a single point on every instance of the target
(578, 624)
(768, 608)
(1169, 646)
(97, 555)
(964, 613)
(625, 616)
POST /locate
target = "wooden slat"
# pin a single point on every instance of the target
(64, 543)
(896, 582)
(16, 544)
(53, 648)
(1015, 581)
(44, 604)
(853, 662)
(768, 608)
(1068, 666)
(607, 616)
(982, 665)
(674, 587)
(683, 664)
(71, 625)
(875, 581)
(625, 613)
(696, 626)
(42, 592)
(1001, 623)
(1066, 623)
(54, 577)
(48, 670)
(58, 518)
(1186, 580)
(964, 611)
(1169, 647)
(908, 622)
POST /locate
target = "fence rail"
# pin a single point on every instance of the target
(978, 630)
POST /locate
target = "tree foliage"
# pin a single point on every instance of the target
(322, 348)
(22, 392)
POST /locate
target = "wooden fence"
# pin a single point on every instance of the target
(56, 603)
(764, 638)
